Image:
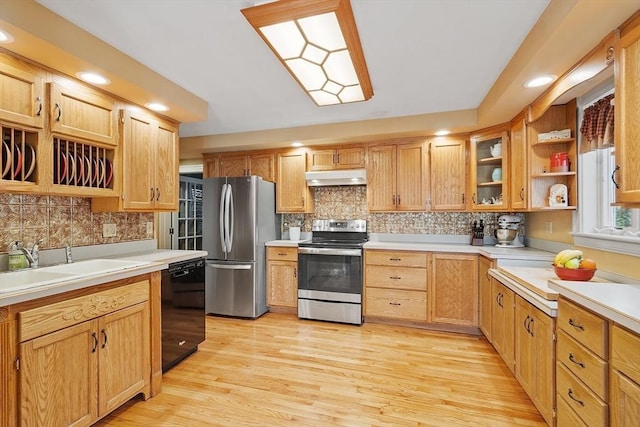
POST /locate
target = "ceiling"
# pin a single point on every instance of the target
(433, 63)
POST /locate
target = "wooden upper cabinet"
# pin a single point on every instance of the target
(340, 158)
(82, 112)
(518, 175)
(396, 177)
(448, 174)
(627, 111)
(292, 192)
(166, 172)
(22, 94)
(489, 169)
(238, 164)
(210, 165)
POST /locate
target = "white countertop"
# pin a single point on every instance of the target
(151, 261)
(549, 307)
(619, 302)
(285, 243)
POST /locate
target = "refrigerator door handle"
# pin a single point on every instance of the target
(222, 210)
(230, 266)
(232, 216)
(227, 196)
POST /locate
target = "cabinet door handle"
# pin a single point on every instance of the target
(530, 326)
(394, 199)
(526, 326)
(500, 300)
(338, 162)
(295, 272)
(395, 304)
(473, 198)
(398, 200)
(104, 336)
(570, 393)
(59, 108)
(157, 194)
(613, 176)
(576, 325)
(571, 358)
(39, 101)
(463, 198)
(153, 194)
(95, 342)
(522, 194)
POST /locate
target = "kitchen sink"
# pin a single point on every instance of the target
(32, 278)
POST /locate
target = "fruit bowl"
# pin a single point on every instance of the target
(578, 274)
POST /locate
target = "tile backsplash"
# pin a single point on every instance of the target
(350, 202)
(60, 221)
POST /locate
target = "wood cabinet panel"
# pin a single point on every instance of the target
(263, 165)
(502, 322)
(166, 168)
(485, 292)
(282, 283)
(351, 158)
(453, 289)
(292, 193)
(625, 352)
(625, 401)
(234, 165)
(210, 165)
(397, 277)
(448, 174)
(566, 416)
(381, 178)
(396, 258)
(336, 158)
(518, 172)
(22, 93)
(581, 399)
(82, 112)
(279, 253)
(586, 366)
(410, 186)
(396, 304)
(587, 328)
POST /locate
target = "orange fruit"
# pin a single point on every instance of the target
(587, 264)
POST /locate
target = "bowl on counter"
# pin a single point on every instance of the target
(578, 274)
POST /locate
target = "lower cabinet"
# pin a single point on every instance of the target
(82, 358)
(484, 282)
(503, 302)
(453, 289)
(535, 356)
(625, 378)
(282, 276)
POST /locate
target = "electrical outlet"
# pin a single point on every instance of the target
(149, 228)
(548, 227)
(108, 230)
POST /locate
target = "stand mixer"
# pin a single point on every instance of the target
(507, 232)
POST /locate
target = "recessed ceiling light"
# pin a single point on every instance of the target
(5, 37)
(443, 132)
(539, 81)
(94, 78)
(297, 144)
(155, 106)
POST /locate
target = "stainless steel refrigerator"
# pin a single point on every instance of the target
(239, 218)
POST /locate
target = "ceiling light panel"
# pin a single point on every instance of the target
(318, 42)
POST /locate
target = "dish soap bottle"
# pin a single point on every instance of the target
(16, 256)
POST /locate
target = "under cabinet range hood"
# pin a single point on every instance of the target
(336, 177)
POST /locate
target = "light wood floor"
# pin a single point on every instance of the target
(279, 370)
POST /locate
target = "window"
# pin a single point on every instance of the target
(599, 223)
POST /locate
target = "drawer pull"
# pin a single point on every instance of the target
(395, 303)
(575, 362)
(395, 259)
(570, 393)
(281, 254)
(575, 325)
(395, 277)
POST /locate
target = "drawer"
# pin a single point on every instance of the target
(584, 402)
(396, 258)
(282, 253)
(43, 320)
(396, 277)
(625, 352)
(405, 305)
(566, 416)
(585, 365)
(587, 328)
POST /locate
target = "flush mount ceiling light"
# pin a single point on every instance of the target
(297, 144)
(155, 106)
(317, 41)
(539, 81)
(5, 37)
(442, 132)
(93, 78)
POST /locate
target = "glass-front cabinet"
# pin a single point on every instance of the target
(489, 169)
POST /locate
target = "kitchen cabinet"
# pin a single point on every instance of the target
(448, 177)
(22, 97)
(395, 285)
(338, 158)
(32, 174)
(627, 111)
(79, 111)
(535, 356)
(625, 377)
(518, 172)
(582, 368)
(485, 292)
(489, 169)
(503, 302)
(282, 276)
(396, 178)
(210, 165)
(541, 148)
(149, 165)
(80, 360)
(453, 289)
(260, 164)
(292, 193)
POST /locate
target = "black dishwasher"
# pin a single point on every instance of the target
(183, 313)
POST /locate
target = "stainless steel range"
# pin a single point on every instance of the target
(330, 267)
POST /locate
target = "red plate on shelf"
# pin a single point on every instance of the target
(17, 161)
(108, 172)
(79, 168)
(6, 162)
(60, 168)
(29, 161)
(88, 173)
(71, 169)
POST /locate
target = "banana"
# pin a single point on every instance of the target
(566, 255)
(560, 255)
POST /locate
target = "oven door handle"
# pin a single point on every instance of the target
(330, 251)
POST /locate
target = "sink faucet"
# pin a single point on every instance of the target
(33, 255)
